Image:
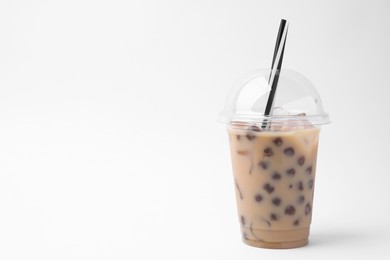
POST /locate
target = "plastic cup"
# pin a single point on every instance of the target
(274, 157)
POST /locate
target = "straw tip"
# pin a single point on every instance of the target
(284, 21)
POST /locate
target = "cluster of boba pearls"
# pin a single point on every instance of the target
(300, 178)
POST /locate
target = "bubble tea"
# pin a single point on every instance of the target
(274, 157)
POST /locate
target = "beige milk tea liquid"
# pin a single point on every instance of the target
(274, 174)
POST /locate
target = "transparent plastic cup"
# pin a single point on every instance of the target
(274, 157)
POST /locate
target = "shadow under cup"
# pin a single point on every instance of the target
(274, 175)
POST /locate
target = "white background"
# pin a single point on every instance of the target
(109, 146)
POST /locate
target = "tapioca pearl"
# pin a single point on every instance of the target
(309, 170)
(269, 188)
(276, 201)
(243, 221)
(258, 197)
(274, 217)
(301, 199)
(254, 128)
(290, 172)
(301, 160)
(289, 210)
(307, 209)
(290, 186)
(242, 152)
(289, 151)
(310, 184)
(300, 186)
(238, 137)
(264, 164)
(296, 222)
(276, 176)
(278, 141)
(250, 137)
(268, 152)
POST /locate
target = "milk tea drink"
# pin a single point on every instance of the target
(274, 156)
(274, 173)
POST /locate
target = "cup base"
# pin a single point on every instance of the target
(276, 245)
(277, 239)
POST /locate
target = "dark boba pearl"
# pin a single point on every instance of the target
(290, 210)
(278, 141)
(290, 186)
(254, 128)
(269, 188)
(276, 176)
(243, 220)
(300, 186)
(276, 201)
(290, 172)
(296, 222)
(289, 151)
(301, 199)
(250, 137)
(301, 160)
(309, 170)
(238, 137)
(258, 198)
(268, 152)
(263, 164)
(274, 217)
(308, 209)
(310, 184)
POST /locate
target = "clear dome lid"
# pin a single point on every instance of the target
(296, 100)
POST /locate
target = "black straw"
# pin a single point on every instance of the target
(271, 96)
